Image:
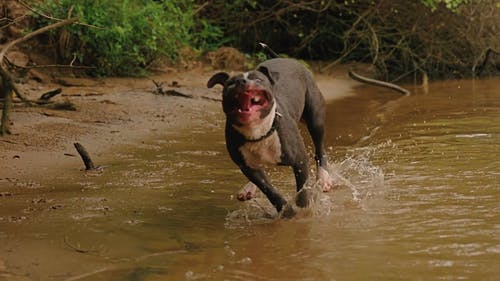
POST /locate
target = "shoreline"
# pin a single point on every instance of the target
(110, 113)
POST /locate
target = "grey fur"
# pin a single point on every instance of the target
(297, 97)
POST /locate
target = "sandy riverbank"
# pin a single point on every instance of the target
(111, 112)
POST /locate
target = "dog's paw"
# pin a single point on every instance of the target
(325, 180)
(303, 198)
(288, 212)
(327, 186)
(247, 192)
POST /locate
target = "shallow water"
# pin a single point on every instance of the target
(417, 199)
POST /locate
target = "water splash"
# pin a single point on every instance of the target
(356, 172)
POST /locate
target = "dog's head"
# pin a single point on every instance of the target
(247, 97)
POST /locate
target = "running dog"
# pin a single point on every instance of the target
(263, 108)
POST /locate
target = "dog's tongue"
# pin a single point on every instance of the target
(245, 101)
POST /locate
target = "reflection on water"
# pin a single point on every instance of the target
(417, 199)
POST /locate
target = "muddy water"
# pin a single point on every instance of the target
(417, 199)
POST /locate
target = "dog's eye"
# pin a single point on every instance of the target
(258, 80)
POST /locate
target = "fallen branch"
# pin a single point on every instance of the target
(177, 94)
(50, 94)
(160, 91)
(89, 165)
(375, 82)
(171, 92)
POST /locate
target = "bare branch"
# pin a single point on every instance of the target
(54, 18)
(57, 66)
(201, 7)
(35, 33)
(7, 79)
(25, 5)
(14, 21)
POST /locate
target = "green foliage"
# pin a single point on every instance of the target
(450, 4)
(400, 37)
(122, 37)
(207, 36)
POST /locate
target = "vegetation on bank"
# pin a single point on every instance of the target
(124, 37)
(401, 38)
(441, 38)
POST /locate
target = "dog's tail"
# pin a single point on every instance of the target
(272, 54)
(268, 51)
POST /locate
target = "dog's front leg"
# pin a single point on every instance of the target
(301, 174)
(259, 178)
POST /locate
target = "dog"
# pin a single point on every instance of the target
(263, 108)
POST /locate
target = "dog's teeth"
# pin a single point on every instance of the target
(255, 99)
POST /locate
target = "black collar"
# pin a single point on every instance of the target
(270, 132)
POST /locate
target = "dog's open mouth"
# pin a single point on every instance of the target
(251, 102)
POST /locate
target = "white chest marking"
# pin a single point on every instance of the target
(264, 152)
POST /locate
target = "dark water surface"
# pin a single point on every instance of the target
(418, 199)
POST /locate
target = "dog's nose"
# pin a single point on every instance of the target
(241, 82)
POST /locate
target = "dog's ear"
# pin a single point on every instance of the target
(218, 78)
(272, 76)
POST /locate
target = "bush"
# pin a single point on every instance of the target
(122, 37)
(443, 38)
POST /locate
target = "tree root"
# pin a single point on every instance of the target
(379, 83)
(7, 79)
